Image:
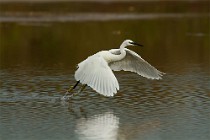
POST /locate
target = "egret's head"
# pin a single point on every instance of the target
(129, 42)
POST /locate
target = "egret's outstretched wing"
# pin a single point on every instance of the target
(95, 72)
(134, 63)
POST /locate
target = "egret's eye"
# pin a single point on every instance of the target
(131, 42)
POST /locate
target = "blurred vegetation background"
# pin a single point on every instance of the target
(62, 33)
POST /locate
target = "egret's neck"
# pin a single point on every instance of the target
(122, 48)
(112, 57)
(121, 55)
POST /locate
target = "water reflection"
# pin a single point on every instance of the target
(102, 126)
(173, 108)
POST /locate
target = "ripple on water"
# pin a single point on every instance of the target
(176, 107)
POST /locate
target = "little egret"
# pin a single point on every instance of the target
(96, 70)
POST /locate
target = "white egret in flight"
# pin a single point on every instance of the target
(96, 70)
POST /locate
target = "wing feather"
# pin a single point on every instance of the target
(96, 73)
(134, 63)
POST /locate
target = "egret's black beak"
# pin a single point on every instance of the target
(136, 44)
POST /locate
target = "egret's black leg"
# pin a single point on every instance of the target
(72, 88)
(66, 96)
(82, 88)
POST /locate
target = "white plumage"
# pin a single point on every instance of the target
(96, 70)
(134, 63)
(96, 73)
